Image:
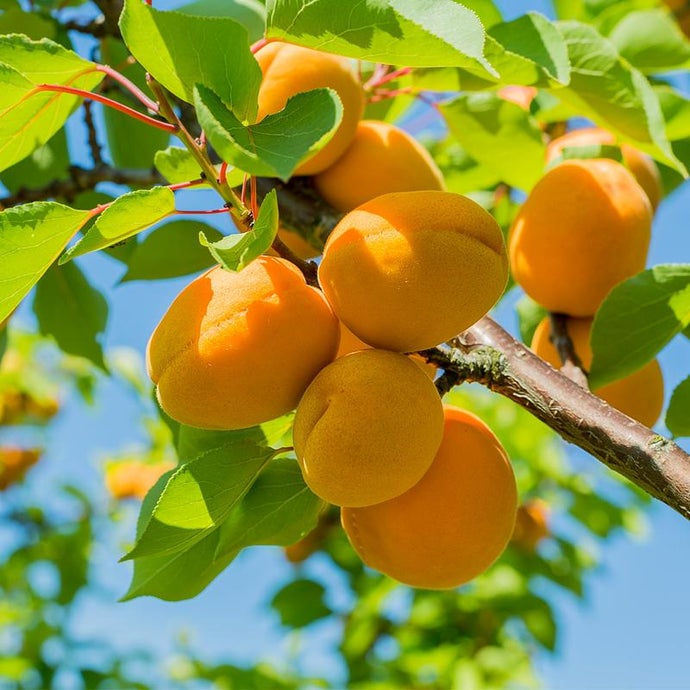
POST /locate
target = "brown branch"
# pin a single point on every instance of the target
(572, 364)
(97, 28)
(94, 144)
(111, 10)
(489, 355)
(82, 180)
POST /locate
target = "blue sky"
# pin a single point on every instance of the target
(629, 633)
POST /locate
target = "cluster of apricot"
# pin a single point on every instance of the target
(428, 495)
(584, 228)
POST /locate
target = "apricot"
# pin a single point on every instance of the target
(238, 349)
(297, 244)
(382, 158)
(453, 523)
(531, 524)
(409, 270)
(133, 478)
(14, 463)
(367, 428)
(289, 69)
(639, 395)
(642, 167)
(585, 227)
(520, 95)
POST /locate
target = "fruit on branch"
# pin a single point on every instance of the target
(238, 349)
(409, 270)
(639, 395)
(451, 525)
(584, 228)
(382, 158)
(640, 165)
(531, 524)
(367, 428)
(289, 69)
(312, 541)
(134, 478)
(14, 463)
(20, 407)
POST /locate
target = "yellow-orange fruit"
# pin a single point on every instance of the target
(520, 95)
(297, 244)
(14, 463)
(451, 525)
(382, 158)
(531, 524)
(640, 165)
(238, 349)
(409, 270)
(289, 69)
(639, 395)
(585, 227)
(133, 478)
(367, 428)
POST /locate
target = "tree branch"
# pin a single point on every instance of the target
(487, 354)
(82, 180)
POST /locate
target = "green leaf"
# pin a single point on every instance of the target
(192, 442)
(540, 622)
(530, 314)
(275, 146)
(678, 413)
(486, 10)
(606, 89)
(234, 252)
(31, 238)
(128, 215)
(250, 13)
(278, 510)
(651, 41)
(591, 151)
(31, 24)
(496, 133)
(170, 251)
(181, 50)
(300, 603)
(638, 317)
(70, 309)
(676, 109)
(176, 165)
(199, 497)
(418, 33)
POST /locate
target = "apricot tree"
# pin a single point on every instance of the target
(290, 113)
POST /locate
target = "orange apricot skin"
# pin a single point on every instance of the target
(451, 525)
(640, 165)
(531, 524)
(133, 478)
(409, 270)
(367, 428)
(639, 395)
(584, 228)
(15, 462)
(289, 69)
(238, 349)
(381, 158)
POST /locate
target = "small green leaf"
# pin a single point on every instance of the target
(250, 13)
(496, 133)
(638, 317)
(234, 252)
(606, 89)
(128, 215)
(170, 251)
(592, 151)
(278, 510)
(176, 165)
(31, 24)
(181, 50)
(192, 442)
(418, 33)
(70, 309)
(300, 603)
(651, 41)
(540, 622)
(275, 146)
(678, 414)
(676, 109)
(199, 497)
(31, 238)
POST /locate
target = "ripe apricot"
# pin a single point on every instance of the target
(520, 95)
(381, 158)
(640, 165)
(238, 349)
(133, 478)
(14, 463)
(289, 69)
(639, 395)
(451, 525)
(409, 270)
(585, 227)
(367, 428)
(531, 524)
